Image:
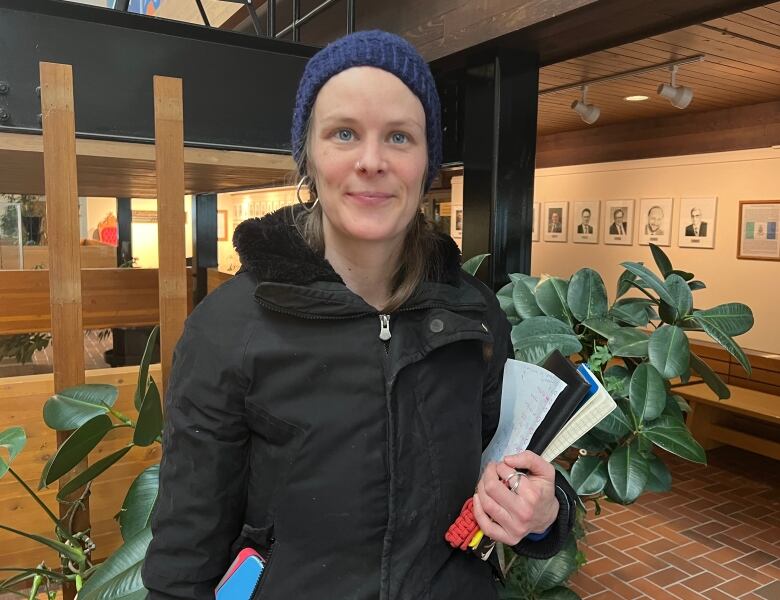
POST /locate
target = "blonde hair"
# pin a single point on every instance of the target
(418, 248)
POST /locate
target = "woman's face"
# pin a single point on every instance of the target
(368, 154)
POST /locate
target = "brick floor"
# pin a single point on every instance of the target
(715, 536)
(93, 353)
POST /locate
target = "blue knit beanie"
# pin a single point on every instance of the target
(371, 49)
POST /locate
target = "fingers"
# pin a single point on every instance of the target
(496, 508)
(489, 527)
(507, 516)
(533, 463)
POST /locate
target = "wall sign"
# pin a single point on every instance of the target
(758, 225)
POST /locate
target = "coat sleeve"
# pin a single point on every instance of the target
(555, 539)
(203, 473)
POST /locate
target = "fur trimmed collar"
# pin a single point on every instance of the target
(272, 249)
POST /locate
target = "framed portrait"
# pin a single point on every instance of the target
(585, 222)
(655, 221)
(554, 221)
(222, 225)
(535, 226)
(619, 222)
(696, 226)
(758, 235)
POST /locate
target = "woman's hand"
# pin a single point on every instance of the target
(506, 516)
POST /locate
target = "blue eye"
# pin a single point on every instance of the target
(399, 138)
(344, 135)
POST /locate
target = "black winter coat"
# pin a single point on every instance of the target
(291, 427)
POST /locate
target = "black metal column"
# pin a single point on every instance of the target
(124, 242)
(499, 149)
(204, 242)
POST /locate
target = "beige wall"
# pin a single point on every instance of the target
(144, 235)
(730, 176)
(244, 205)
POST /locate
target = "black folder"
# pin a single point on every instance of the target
(564, 406)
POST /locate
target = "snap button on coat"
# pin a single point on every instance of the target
(436, 326)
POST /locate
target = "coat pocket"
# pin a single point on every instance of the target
(259, 539)
(262, 541)
(275, 446)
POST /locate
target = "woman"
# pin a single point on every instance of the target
(328, 406)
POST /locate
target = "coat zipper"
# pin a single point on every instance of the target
(264, 575)
(384, 328)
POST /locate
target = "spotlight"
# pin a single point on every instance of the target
(679, 95)
(587, 112)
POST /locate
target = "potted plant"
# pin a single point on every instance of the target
(637, 346)
(89, 412)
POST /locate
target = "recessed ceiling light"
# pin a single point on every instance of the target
(636, 98)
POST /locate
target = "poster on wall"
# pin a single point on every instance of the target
(696, 227)
(618, 222)
(535, 226)
(655, 221)
(555, 223)
(758, 235)
(585, 222)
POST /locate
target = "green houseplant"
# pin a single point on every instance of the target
(71, 547)
(637, 346)
(88, 411)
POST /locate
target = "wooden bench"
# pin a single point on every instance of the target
(750, 419)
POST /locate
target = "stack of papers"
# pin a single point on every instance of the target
(548, 408)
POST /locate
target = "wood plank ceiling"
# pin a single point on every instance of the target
(742, 67)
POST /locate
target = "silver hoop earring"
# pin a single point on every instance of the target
(305, 179)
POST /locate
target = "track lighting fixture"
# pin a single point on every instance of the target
(679, 95)
(587, 112)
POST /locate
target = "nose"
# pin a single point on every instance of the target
(371, 160)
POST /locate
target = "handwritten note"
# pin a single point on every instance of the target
(528, 393)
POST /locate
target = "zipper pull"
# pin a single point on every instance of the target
(384, 327)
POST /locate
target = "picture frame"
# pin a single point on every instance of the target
(555, 221)
(619, 231)
(697, 222)
(759, 221)
(222, 225)
(585, 222)
(535, 224)
(654, 224)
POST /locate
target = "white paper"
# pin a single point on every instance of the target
(527, 394)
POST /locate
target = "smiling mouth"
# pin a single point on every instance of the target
(371, 195)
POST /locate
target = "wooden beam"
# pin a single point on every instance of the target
(556, 30)
(62, 208)
(739, 128)
(110, 298)
(169, 146)
(123, 169)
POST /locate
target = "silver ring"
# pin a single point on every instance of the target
(516, 483)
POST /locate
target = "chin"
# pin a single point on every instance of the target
(368, 232)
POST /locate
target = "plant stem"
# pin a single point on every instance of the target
(645, 292)
(35, 497)
(120, 416)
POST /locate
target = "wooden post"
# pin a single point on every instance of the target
(62, 216)
(169, 145)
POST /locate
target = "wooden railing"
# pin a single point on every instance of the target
(109, 298)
